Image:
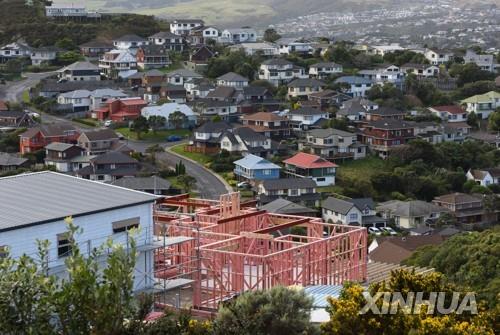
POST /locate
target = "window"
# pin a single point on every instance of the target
(4, 251)
(125, 225)
(294, 192)
(63, 245)
(353, 217)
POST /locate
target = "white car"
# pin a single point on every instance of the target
(374, 230)
(108, 123)
(243, 184)
(389, 230)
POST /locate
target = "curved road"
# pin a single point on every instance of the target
(13, 90)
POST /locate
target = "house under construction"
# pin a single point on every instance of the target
(215, 250)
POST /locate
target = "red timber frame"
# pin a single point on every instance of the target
(234, 247)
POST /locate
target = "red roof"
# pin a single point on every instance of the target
(3, 106)
(308, 161)
(452, 109)
(129, 101)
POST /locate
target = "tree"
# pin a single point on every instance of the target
(157, 122)
(69, 57)
(139, 126)
(66, 43)
(494, 120)
(270, 35)
(276, 311)
(177, 119)
(473, 120)
(346, 319)
(180, 169)
(187, 182)
(14, 66)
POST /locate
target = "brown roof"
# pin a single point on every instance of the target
(263, 116)
(452, 109)
(49, 130)
(100, 135)
(3, 106)
(395, 249)
(456, 198)
(497, 81)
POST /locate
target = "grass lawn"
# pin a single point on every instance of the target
(198, 157)
(26, 97)
(159, 136)
(87, 122)
(171, 67)
(361, 169)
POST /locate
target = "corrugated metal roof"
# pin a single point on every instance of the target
(320, 293)
(37, 198)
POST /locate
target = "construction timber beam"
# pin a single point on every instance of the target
(242, 216)
(281, 226)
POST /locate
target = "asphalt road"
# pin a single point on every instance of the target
(13, 91)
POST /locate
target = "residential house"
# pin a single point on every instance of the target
(99, 98)
(177, 116)
(198, 89)
(431, 132)
(109, 167)
(384, 113)
(290, 45)
(286, 207)
(78, 101)
(170, 92)
(51, 88)
(152, 57)
(207, 108)
(383, 135)
(355, 109)
(255, 168)
(257, 98)
(420, 70)
(325, 98)
(152, 185)
(270, 124)
(41, 201)
(120, 110)
(262, 48)
(304, 165)
(244, 140)
(333, 144)
(68, 12)
(59, 155)
(240, 35)
(324, 69)
(118, 64)
(302, 87)
(469, 210)
(356, 212)
(438, 57)
(129, 42)
(181, 76)
(202, 35)
(80, 71)
(484, 177)
(199, 57)
(96, 142)
(37, 138)
(13, 119)
(184, 26)
(410, 214)
(225, 93)
(456, 131)
(449, 113)
(382, 50)
(95, 49)
(279, 71)
(482, 104)
(44, 55)
(206, 138)
(306, 118)
(232, 79)
(384, 74)
(13, 50)
(11, 162)
(298, 190)
(486, 62)
(395, 249)
(354, 86)
(168, 41)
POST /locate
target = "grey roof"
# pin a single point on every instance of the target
(385, 111)
(84, 65)
(42, 197)
(232, 76)
(322, 133)
(78, 94)
(254, 90)
(213, 127)
(100, 135)
(113, 157)
(288, 183)
(283, 206)
(130, 38)
(352, 80)
(184, 73)
(7, 159)
(409, 208)
(277, 61)
(307, 111)
(58, 146)
(325, 64)
(248, 134)
(391, 124)
(164, 34)
(337, 205)
(143, 183)
(224, 92)
(307, 82)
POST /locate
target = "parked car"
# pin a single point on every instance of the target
(174, 138)
(243, 184)
(389, 230)
(108, 123)
(374, 230)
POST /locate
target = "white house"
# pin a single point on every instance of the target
(34, 207)
(80, 71)
(351, 211)
(482, 104)
(420, 70)
(79, 100)
(302, 87)
(484, 177)
(438, 57)
(118, 64)
(303, 118)
(44, 55)
(127, 42)
(450, 113)
(168, 109)
(232, 79)
(263, 48)
(184, 26)
(99, 97)
(355, 86)
(324, 69)
(384, 74)
(245, 140)
(240, 35)
(382, 50)
(288, 45)
(279, 71)
(485, 62)
(14, 50)
(182, 76)
(68, 11)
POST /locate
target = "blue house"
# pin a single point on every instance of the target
(253, 167)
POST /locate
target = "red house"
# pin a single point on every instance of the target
(382, 135)
(37, 138)
(121, 109)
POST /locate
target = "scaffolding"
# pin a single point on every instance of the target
(216, 250)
